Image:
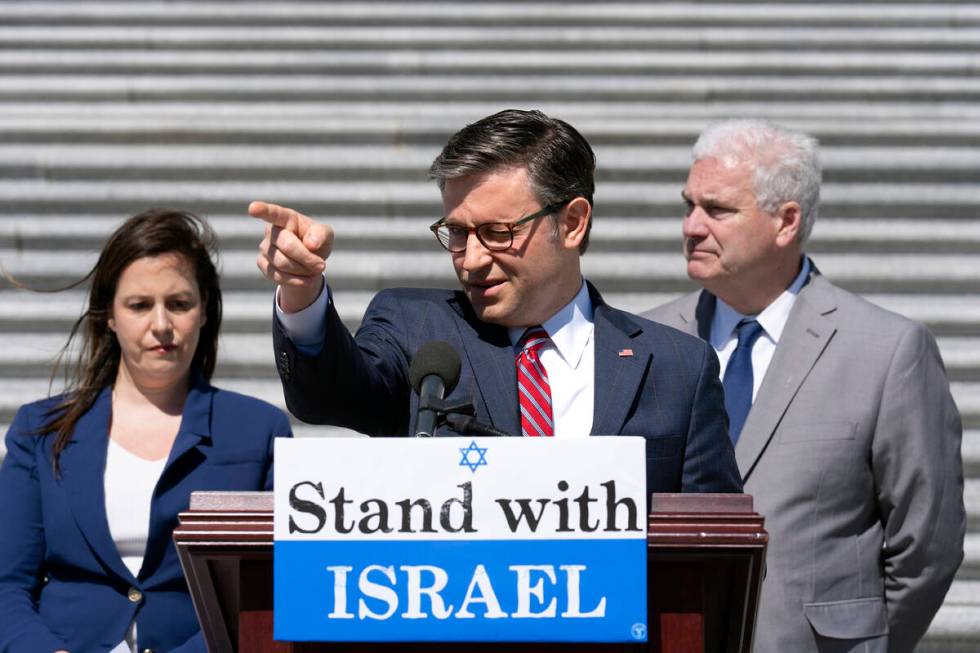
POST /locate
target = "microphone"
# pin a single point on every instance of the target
(434, 373)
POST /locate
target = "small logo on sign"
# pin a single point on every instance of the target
(473, 456)
(639, 631)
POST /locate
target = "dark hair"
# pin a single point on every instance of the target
(558, 159)
(152, 233)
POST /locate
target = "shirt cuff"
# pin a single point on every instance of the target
(305, 327)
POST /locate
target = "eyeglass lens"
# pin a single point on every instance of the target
(493, 235)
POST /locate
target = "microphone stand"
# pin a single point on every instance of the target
(460, 415)
(468, 425)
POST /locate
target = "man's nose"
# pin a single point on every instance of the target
(695, 223)
(476, 254)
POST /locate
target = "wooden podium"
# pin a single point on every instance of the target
(705, 563)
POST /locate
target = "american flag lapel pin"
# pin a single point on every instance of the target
(625, 353)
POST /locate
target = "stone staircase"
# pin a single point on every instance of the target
(337, 108)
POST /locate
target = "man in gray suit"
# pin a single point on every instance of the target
(845, 429)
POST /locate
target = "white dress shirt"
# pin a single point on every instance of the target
(569, 359)
(773, 320)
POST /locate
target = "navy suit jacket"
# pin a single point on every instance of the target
(650, 380)
(62, 581)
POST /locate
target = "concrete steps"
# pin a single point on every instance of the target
(337, 108)
(292, 125)
(58, 162)
(629, 36)
(570, 62)
(895, 200)
(524, 89)
(810, 14)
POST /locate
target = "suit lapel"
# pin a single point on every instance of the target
(490, 355)
(195, 430)
(806, 335)
(195, 422)
(83, 478)
(694, 313)
(620, 363)
(703, 312)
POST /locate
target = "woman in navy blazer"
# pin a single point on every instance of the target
(141, 384)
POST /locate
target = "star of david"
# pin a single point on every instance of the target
(471, 452)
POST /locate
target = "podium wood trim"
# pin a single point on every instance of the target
(705, 562)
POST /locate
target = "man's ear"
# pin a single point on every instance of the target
(790, 221)
(575, 222)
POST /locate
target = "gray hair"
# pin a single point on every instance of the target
(786, 163)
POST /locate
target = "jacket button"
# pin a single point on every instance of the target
(148, 650)
(134, 595)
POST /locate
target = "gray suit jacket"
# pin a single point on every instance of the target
(852, 451)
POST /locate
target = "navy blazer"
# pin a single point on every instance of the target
(63, 584)
(650, 380)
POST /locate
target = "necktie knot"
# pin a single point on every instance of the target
(533, 340)
(747, 331)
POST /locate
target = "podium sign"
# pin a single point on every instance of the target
(453, 539)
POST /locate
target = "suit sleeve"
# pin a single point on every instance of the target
(919, 477)
(359, 383)
(22, 545)
(709, 458)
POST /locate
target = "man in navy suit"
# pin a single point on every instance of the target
(517, 192)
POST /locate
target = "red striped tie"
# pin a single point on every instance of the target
(533, 389)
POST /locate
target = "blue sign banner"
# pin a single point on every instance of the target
(554, 590)
(446, 539)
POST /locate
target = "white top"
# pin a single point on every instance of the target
(129, 483)
(773, 320)
(569, 359)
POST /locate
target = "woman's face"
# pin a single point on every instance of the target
(157, 315)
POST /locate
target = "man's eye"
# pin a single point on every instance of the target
(688, 207)
(456, 232)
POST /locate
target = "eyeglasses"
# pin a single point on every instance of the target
(495, 236)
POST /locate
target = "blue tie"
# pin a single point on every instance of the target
(738, 377)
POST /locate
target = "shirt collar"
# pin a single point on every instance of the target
(772, 318)
(570, 329)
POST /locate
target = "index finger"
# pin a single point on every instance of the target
(276, 215)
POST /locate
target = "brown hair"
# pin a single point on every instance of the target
(558, 159)
(152, 233)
